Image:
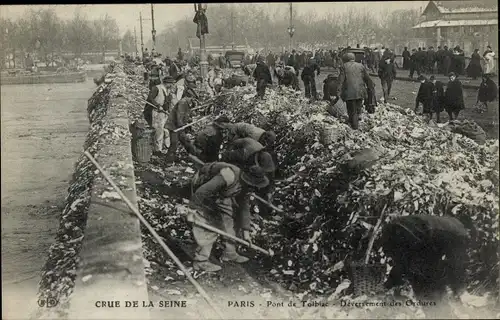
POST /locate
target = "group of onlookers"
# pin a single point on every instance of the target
(445, 60)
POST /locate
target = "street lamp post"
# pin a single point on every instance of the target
(198, 7)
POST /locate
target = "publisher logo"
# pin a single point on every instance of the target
(47, 302)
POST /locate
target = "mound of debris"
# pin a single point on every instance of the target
(337, 182)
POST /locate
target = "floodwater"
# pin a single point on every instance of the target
(43, 128)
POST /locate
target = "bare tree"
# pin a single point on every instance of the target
(128, 42)
(106, 33)
(79, 34)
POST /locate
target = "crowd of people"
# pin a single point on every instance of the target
(445, 60)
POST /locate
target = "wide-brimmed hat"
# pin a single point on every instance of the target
(265, 161)
(452, 74)
(421, 77)
(255, 176)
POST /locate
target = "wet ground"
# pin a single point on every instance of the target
(43, 130)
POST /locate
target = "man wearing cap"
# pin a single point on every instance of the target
(354, 84)
(424, 96)
(387, 74)
(263, 77)
(221, 198)
(161, 97)
(154, 75)
(209, 140)
(178, 117)
(309, 78)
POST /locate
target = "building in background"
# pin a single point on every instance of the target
(470, 24)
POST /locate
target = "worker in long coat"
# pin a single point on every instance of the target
(454, 97)
(220, 198)
(424, 96)
(354, 82)
(429, 251)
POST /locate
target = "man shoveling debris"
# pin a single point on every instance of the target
(179, 116)
(221, 198)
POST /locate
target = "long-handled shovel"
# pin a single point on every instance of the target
(192, 123)
(270, 205)
(156, 236)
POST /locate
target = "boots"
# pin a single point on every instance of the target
(234, 257)
(206, 266)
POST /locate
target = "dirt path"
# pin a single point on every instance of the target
(43, 130)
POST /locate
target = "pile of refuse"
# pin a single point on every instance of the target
(338, 180)
(336, 183)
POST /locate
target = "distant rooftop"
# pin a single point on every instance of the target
(466, 6)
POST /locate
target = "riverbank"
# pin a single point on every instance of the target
(42, 136)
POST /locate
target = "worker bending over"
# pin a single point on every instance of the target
(221, 198)
(209, 140)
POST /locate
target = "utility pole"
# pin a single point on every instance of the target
(153, 32)
(142, 38)
(291, 29)
(135, 41)
(232, 26)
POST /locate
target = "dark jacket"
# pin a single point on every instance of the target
(289, 78)
(454, 96)
(424, 96)
(386, 71)
(243, 130)
(180, 114)
(474, 69)
(262, 72)
(330, 88)
(487, 91)
(308, 71)
(241, 152)
(353, 81)
(438, 97)
(209, 140)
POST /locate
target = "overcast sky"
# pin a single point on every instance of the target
(127, 15)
